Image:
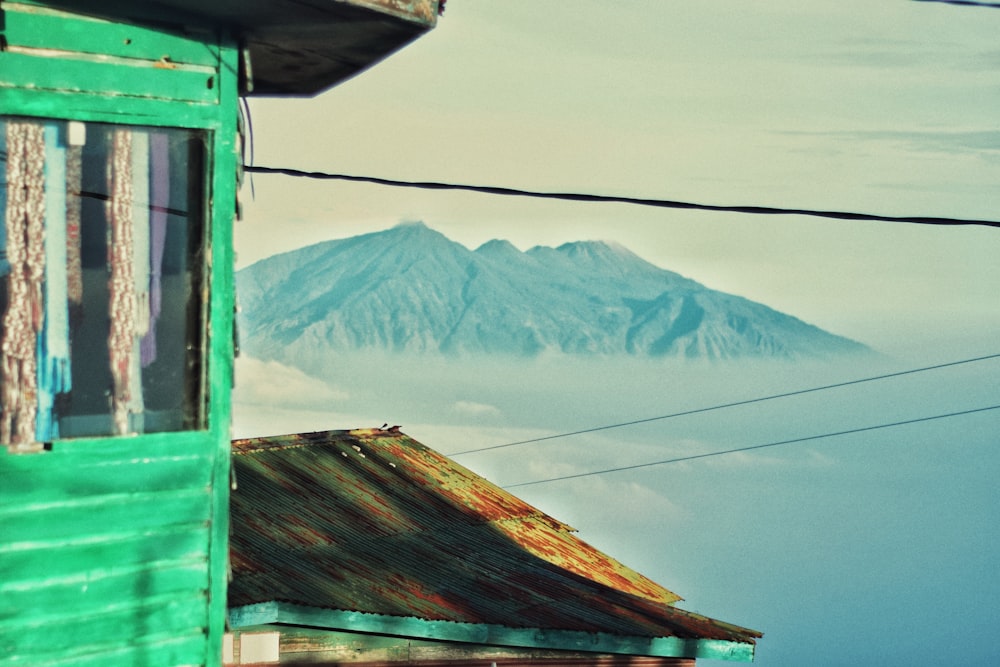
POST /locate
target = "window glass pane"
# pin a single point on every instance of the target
(101, 276)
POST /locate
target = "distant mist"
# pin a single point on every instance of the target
(869, 523)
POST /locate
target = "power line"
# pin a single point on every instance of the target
(968, 3)
(592, 198)
(753, 447)
(730, 405)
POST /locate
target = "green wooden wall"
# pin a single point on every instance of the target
(113, 550)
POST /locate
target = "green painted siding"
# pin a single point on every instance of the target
(42, 28)
(114, 72)
(108, 551)
(113, 550)
(102, 78)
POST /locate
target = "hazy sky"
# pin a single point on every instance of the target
(879, 549)
(882, 106)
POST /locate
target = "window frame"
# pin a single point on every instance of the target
(86, 307)
(218, 120)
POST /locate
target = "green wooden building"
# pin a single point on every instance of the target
(119, 165)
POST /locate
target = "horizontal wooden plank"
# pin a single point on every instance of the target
(107, 109)
(36, 27)
(33, 481)
(136, 79)
(91, 516)
(32, 601)
(285, 613)
(321, 647)
(189, 648)
(115, 626)
(52, 563)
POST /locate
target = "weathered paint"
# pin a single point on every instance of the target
(420, 10)
(291, 47)
(53, 64)
(298, 645)
(371, 531)
(283, 615)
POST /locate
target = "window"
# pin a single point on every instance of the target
(101, 280)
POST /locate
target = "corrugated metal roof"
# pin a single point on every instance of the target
(373, 521)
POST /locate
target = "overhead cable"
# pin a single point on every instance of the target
(617, 199)
(730, 405)
(970, 3)
(692, 457)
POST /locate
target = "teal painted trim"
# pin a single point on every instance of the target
(491, 635)
(220, 344)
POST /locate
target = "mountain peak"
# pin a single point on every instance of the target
(411, 289)
(411, 232)
(607, 259)
(498, 248)
(416, 224)
(598, 250)
(413, 228)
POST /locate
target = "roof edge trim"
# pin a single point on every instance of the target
(284, 613)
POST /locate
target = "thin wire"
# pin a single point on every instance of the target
(753, 447)
(730, 405)
(248, 143)
(970, 3)
(591, 198)
(101, 196)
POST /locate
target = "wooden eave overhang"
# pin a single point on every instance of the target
(291, 47)
(483, 634)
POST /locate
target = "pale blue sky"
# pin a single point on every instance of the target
(883, 106)
(874, 550)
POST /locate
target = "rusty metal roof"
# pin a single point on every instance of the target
(373, 521)
(294, 47)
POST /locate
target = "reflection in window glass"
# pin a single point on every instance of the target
(100, 279)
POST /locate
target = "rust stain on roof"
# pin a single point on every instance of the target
(373, 521)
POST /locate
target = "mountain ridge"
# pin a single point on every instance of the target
(411, 289)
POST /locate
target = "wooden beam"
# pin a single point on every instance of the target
(324, 647)
(488, 635)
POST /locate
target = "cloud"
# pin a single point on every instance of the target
(820, 460)
(271, 383)
(476, 409)
(625, 497)
(935, 141)
(604, 509)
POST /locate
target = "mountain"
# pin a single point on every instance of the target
(411, 289)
